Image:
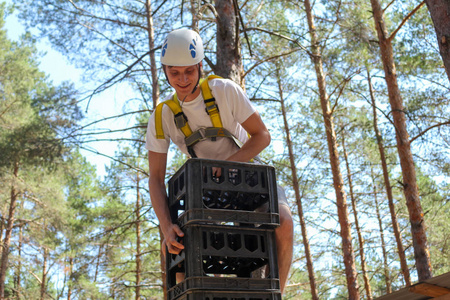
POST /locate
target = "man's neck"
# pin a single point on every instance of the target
(189, 97)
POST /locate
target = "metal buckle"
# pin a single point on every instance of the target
(202, 132)
(180, 120)
(195, 137)
(209, 108)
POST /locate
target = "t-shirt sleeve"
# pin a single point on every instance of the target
(151, 142)
(237, 100)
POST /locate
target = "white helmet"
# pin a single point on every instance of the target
(182, 47)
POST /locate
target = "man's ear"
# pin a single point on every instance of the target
(200, 69)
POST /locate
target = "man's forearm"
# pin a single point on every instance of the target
(251, 148)
(159, 200)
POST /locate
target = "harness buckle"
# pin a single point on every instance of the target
(180, 120)
(211, 108)
(202, 133)
(195, 137)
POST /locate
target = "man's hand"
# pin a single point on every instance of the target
(157, 170)
(216, 173)
(259, 139)
(172, 235)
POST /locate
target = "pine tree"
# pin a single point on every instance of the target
(439, 13)
(34, 116)
(347, 248)
(422, 255)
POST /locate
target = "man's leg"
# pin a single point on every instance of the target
(284, 236)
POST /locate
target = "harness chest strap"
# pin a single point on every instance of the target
(207, 133)
(191, 138)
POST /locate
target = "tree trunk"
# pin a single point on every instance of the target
(69, 288)
(387, 184)
(151, 46)
(17, 276)
(195, 9)
(357, 227)
(2, 223)
(44, 274)
(440, 14)
(387, 277)
(162, 258)
(138, 240)
(155, 98)
(341, 201)
(298, 198)
(420, 244)
(97, 265)
(229, 59)
(8, 233)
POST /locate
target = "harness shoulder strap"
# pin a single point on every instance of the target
(179, 116)
(180, 119)
(191, 138)
(211, 107)
(158, 121)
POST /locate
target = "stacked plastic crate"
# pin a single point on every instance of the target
(228, 212)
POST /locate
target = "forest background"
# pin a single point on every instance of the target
(360, 140)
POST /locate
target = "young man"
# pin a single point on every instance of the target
(181, 57)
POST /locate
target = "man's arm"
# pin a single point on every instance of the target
(258, 141)
(157, 171)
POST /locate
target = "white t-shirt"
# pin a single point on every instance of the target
(234, 109)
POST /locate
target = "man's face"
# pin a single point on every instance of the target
(183, 79)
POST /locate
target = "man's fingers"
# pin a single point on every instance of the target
(217, 172)
(174, 239)
(175, 244)
(175, 248)
(178, 231)
(178, 245)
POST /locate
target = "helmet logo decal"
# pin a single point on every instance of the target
(164, 48)
(192, 49)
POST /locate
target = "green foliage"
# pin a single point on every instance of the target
(436, 206)
(35, 115)
(89, 224)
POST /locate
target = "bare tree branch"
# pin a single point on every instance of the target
(110, 82)
(387, 6)
(115, 159)
(281, 36)
(85, 13)
(428, 129)
(270, 58)
(390, 38)
(236, 5)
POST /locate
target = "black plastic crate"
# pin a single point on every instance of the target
(230, 295)
(244, 193)
(229, 251)
(202, 287)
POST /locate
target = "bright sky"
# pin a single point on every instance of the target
(53, 63)
(109, 103)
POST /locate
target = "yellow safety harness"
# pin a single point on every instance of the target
(181, 121)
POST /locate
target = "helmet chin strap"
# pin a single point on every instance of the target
(198, 81)
(195, 87)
